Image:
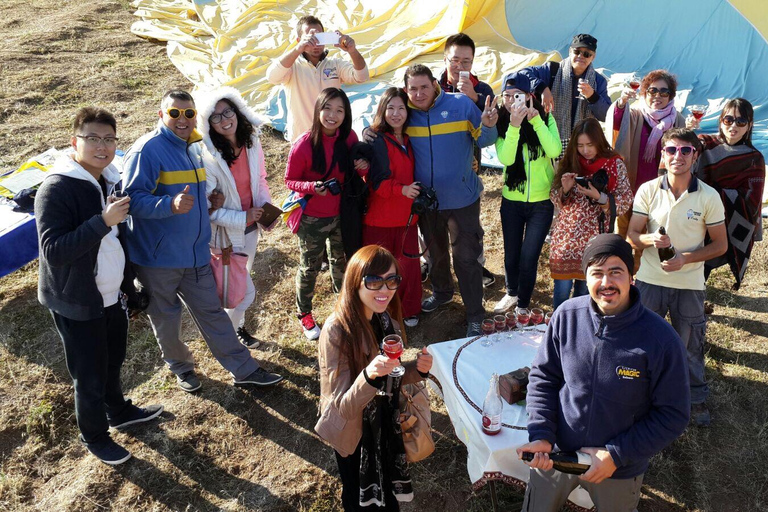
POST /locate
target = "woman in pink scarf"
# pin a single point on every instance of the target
(636, 131)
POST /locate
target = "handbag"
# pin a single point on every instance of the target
(230, 271)
(416, 422)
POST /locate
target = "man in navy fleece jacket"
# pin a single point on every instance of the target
(611, 380)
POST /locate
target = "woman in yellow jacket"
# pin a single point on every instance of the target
(528, 141)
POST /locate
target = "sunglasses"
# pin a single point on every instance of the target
(741, 122)
(217, 118)
(663, 92)
(378, 282)
(684, 150)
(175, 113)
(585, 53)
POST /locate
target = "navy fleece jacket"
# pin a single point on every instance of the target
(619, 382)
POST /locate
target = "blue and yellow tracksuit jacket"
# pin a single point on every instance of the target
(156, 168)
(442, 139)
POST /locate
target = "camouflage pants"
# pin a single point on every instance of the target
(314, 233)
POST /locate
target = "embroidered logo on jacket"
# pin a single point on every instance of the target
(625, 372)
(444, 113)
(692, 214)
(330, 73)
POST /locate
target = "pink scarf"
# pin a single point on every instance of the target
(660, 121)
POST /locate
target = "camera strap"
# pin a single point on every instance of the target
(402, 242)
(611, 213)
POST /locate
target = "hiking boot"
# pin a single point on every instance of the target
(488, 278)
(132, 415)
(474, 329)
(246, 338)
(260, 377)
(505, 304)
(411, 321)
(188, 381)
(700, 415)
(107, 451)
(430, 304)
(311, 330)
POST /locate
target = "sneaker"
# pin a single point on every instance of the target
(430, 304)
(260, 377)
(488, 278)
(108, 451)
(411, 321)
(132, 415)
(424, 272)
(700, 415)
(505, 304)
(473, 329)
(246, 338)
(188, 381)
(311, 330)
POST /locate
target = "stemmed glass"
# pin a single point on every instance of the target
(489, 327)
(633, 82)
(523, 317)
(697, 111)
(392, 346)
(581, 96)
(537, 317)
(547, 317)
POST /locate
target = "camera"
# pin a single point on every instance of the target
(333, 186)
(425, 201)
(599, 180)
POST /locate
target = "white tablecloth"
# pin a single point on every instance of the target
(464, 367)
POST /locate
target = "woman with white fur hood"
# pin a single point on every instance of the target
(234, 166)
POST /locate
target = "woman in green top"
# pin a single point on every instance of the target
(528, 141)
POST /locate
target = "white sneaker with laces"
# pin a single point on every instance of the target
(505, 304)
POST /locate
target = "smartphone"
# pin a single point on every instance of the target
(464, 75)
(519, 99)
(327, 38)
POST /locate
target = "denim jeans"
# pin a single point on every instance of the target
(525, 227)
(563, 290)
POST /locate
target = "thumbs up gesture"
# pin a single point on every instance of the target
(424, 361)
(182, 202)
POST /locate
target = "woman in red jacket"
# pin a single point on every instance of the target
(392, 191)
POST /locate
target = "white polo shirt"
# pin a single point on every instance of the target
(304, 82)
(686, 220)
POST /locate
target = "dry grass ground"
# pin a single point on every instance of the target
(229, 449)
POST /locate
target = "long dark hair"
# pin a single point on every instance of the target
(516, 176)
(340, 150)
(380, 123)
(243, 134)
(744, 108)
(350, 311)
(570, 162)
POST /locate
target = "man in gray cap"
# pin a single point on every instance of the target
(572, 90)
(609, 381)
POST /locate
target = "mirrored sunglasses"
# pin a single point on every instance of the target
(175, 113)
(684, 150)
(378, 282)
(741, 122)
(663, 92)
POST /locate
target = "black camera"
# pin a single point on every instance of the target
(333, 186)
(425, 201)
(599, 180)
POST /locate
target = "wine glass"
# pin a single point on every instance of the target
(697, 111)
(523, 317)
(581, 96)
(633, 82)
(547, 317)
(500, 322)
(488, 327)
(537, 316)
(393, 348)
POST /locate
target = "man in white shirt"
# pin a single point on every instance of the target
(306, 70)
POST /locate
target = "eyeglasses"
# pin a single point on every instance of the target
(93, 140)
(585, 53)
(663, 92)
(684, 150)
(378, 282)
(465, 63)
(217, 118)
(741, 122)
(175, 113)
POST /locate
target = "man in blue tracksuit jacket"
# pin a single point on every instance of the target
(610, 380)
(443, 128)
(169, 232)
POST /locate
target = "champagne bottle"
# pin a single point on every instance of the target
(665, 253)
(573, 463)
(492, 407)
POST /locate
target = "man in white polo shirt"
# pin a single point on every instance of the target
(688, 209)
(306, 70)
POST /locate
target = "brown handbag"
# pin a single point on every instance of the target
(416, 422)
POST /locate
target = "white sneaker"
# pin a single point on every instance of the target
(505, 304)
(311, 330)
(411, 321)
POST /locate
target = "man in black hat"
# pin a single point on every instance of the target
(610, 381)
(572, 90)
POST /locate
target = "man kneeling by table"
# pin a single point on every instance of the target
(610, 380)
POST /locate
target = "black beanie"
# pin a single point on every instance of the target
(611, 244)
